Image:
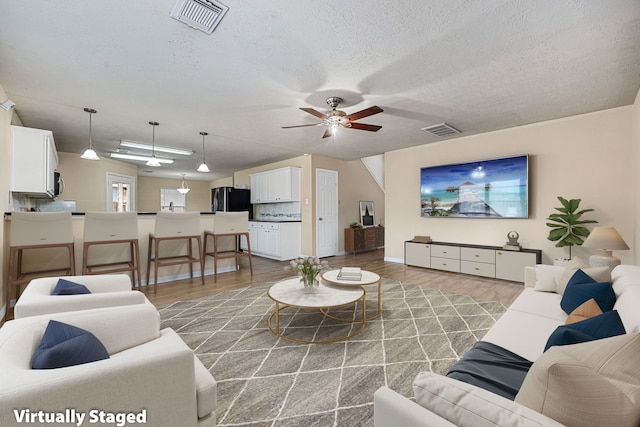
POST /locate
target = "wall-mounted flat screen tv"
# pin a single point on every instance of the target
(497, 188)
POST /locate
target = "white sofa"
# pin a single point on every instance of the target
(523, 329)
(148, 369)
(107, 290)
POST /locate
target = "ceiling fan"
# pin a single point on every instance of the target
(335, 118)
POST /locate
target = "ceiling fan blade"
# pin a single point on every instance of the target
(300, 126)
(327, 133)
(313, 112)
(365, 113)
(362, 126)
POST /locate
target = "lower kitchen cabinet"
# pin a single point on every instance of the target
(275, 240)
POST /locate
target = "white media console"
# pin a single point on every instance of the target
(478, 260)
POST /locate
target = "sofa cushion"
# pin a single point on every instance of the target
(582, 288)
(598, 274)
(525, 334)
(595, 383)
(67, 287)
(584, 311)
(605, 325)
(466, 405)
(66, 345)
(541, 304)
(623, 276)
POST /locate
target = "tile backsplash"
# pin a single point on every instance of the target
(22, 202)
(278, 211)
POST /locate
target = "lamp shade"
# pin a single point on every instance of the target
(605, 238)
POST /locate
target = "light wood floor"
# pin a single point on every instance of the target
(268, 270)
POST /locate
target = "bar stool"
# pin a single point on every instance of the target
(172, 227)
(228, 224)
(38, 230)
(112, 228)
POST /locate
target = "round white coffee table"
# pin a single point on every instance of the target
(368, 278)
(290, 293)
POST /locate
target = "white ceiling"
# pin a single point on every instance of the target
(477, 65)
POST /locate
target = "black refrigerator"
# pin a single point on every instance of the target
(229, 199)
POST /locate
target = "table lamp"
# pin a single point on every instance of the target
(605, 239)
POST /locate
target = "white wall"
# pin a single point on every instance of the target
(588, 157)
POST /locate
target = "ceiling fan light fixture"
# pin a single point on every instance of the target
(90, 153)
(184, 188)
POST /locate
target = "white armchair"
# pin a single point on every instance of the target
(150, 372)
(107, 290)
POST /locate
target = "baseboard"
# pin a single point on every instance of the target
(398, 260)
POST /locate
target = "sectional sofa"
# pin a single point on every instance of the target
(592, 383)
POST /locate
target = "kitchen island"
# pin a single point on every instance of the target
(46, 258)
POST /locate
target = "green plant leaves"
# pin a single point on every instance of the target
(567, 227)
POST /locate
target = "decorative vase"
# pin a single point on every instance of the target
(309, 284)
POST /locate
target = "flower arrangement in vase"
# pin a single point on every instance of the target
(308, 269)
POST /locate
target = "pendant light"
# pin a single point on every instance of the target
(153, 162)
(89, 153)
(203, 167)
(184, 188)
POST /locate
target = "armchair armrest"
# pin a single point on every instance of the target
(392, 409)
(156, 377)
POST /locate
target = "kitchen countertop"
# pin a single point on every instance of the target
(274, 220)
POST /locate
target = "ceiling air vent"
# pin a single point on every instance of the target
(441, 130)
(203, 15)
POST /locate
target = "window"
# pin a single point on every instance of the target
(172, 200)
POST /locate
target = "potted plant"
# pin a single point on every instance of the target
(567, 227)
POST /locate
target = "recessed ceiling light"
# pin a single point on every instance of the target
(139, 158)
(141, 146)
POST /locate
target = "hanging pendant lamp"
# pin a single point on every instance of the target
(203, 167)
(90, 153)
(184, 188)
(153, 162)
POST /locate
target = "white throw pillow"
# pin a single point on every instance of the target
(547, 277)
(596, 383)
(467, 405)
(599, 274)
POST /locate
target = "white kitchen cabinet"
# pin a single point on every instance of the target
(275, 240)
(275, 186)
(34, 160)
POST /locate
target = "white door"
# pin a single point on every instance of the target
(326, 213)
(121, 193)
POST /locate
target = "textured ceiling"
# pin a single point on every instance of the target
(477, 65)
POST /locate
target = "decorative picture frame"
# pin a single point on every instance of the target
(367, 213)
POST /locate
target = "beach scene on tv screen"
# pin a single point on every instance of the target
(495, 188)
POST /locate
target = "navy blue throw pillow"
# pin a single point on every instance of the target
(582, 288)
(67, 287)
(66, 345)
(605, 325)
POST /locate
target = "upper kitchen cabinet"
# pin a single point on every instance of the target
(278, 185)
(34, 160)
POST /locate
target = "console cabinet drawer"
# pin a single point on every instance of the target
(478, 255)
(447, 264)
(478, 268)
(441, 251)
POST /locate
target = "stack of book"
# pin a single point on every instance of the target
(350, 273)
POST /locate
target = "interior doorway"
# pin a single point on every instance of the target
(326, 213)
(121, 193)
